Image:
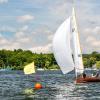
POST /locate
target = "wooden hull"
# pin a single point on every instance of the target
(87, 79)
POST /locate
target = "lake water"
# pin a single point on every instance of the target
(14, 85)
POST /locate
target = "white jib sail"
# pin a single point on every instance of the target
(76, 44)
(61, 47)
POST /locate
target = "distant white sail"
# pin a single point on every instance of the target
(61, 47)
(76, 46)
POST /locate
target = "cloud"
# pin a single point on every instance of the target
(38, 41)
(7, 29)
(22, 37)
(41, 36)
(10, 46)
(43, 49)
(92, 39)
(60, 9)
(19, 34)
(96, 44)
(38, 1)
(25, 18)
(16, 42)
(51, 13)
(24, 28)
(3, 41)
(3, 1)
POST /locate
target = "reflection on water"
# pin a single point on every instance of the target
(15, 85)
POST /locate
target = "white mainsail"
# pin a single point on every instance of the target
(76, 46)
(61, 47)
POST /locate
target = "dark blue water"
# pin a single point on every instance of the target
(15, 85)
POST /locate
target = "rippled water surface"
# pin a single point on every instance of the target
(14, 85)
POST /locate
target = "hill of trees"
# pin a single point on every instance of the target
(17, 59)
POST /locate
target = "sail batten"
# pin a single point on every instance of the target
(61, 47)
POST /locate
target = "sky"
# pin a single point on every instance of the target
(31, 24)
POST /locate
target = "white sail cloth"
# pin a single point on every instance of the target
(61, 47)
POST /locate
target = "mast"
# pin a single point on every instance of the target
(76, 43)
(73, 10)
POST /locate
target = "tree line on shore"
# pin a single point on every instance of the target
(18, 58)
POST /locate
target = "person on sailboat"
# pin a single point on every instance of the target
(84, 75)
(97, 74)
(94, 74)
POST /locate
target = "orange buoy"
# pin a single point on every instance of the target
(38, 86)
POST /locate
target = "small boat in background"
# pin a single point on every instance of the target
(40, 69)
(6, 68)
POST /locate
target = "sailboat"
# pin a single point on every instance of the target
(8, 68)
(63, 50)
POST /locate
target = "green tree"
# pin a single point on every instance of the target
(1, 63)
(86, 62)
(98, 64)
(92, 61)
